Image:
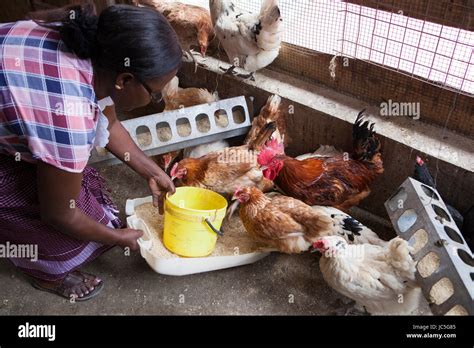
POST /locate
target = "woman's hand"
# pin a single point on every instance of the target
(160, 184)
(123, 147)
(128, 238)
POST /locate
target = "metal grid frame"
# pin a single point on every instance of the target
(443, 71)
(314, 34)
(334, 27)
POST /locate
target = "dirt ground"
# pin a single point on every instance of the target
(277, 285)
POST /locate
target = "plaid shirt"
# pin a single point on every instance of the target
(48, 108)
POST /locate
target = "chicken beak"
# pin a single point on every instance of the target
(232, 209)
(262, 168)
(203, 51)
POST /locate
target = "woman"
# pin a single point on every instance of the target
(56, 75)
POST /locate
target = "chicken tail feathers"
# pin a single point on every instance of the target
(366, 143)
(268, 30)
(262, 137)
(273, 103)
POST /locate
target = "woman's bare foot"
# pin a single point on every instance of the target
(78, 285)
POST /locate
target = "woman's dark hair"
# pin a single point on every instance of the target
(122, 38)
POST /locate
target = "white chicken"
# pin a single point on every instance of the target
(251, 40)
(349, 228)
(382, 279)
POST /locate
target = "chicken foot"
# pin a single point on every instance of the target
(190, 55)
(349, 307)
(231, 71)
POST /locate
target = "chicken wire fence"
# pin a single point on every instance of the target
(433, 52)
(382, 35)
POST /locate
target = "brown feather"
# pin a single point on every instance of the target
(329, 181)
(192, 24)
(282, 222)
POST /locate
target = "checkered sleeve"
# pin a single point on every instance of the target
(49, 100)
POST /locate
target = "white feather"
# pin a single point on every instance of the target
(342, 223)
(382, 279)
(204, 149)
(324, 151)
(250, 40)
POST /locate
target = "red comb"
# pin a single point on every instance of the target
(319, 244)
(237, 189)
(271, 149)
(419, 161)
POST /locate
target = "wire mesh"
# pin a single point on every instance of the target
(419, 48)
(387, 46)
(434, 52)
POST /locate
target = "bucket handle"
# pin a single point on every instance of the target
(218, 232)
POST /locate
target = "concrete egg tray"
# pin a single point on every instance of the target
(445, 264)
(179, 266)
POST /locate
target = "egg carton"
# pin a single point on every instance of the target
(148, 124)
(445, 265)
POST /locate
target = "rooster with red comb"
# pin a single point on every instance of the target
(338, 181)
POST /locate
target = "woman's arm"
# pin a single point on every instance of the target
(57, 193)
(124, 148)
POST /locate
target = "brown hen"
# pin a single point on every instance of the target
(192, 24)
(281, 222)
(271, 112)
(222, 171)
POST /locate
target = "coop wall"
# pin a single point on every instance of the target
(306, 55)
(309, 127)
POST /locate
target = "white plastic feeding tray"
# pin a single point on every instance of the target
(178, 266)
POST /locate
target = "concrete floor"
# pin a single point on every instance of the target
(277, 285)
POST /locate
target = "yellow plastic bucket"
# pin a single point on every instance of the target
(193, 216)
